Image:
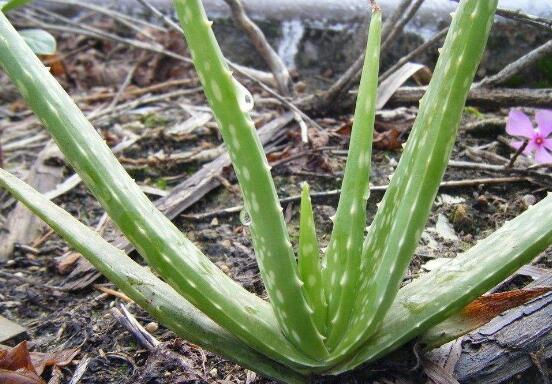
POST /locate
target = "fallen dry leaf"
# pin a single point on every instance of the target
(19, 366)
(486, 308)
(478, 313)
(16, 358)
(51, 359)
(19, 377)
(388, 140)
(16, 366)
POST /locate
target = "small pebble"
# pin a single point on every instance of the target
(528, 200)
(224, 268)
(152, 327)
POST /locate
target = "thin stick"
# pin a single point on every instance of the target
(517, 15)
(123, 86)
(415, 52)
(258, 39)
(391, 29)
(516, 155)
(380, 188)
(126, 319)
(517, 66)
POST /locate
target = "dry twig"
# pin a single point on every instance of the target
(258, 39)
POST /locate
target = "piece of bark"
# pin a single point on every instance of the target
(22, 226)
(507, 346)
(499, 97)
(10, 330)
(179, 198)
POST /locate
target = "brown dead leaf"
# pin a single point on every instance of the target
(345, 128)
(16, 366)
(277, 156)
(478, 313)
(488, 307)
(19, 377)
(388, 140)
(16, 358)
(55, 62)
(19, 366)
(66, 262)
(53, 359)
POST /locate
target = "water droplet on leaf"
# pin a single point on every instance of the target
(245, 219)
(245, 98)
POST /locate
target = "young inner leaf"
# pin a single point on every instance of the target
(403, 213)
(343, 255)
(310, 269)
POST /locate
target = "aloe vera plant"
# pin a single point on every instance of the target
(328, 313)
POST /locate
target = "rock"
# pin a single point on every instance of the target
(10, 331)
(528, 200)
(152, 327)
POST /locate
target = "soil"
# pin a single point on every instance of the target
(57, 319)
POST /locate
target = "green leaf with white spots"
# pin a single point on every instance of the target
(354, 301)
(444, 291)
(343, 256)
(231, 103)
(40, 41)
(402, 215)
(155, 237)
(142, 286)
(310, 269)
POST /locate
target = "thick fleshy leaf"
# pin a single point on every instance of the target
(404, 210)
(308, 262)
(544, 122)
(444, 291)
(519, 124)
(231, 104)
(343, 259)
(155, 237)
(142, 286)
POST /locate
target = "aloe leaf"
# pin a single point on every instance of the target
(343, 256)
(230, 103)
(437, 295)
(310, 269)
(165, 248)
(142, 286)
(403, 213)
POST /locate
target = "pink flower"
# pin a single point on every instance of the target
(539, 141)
